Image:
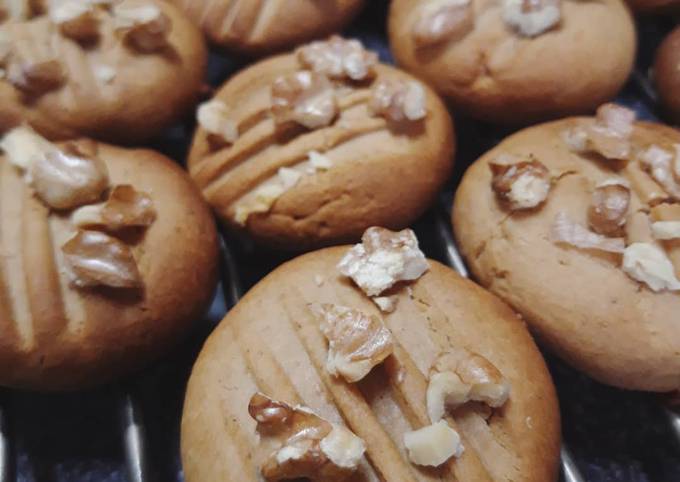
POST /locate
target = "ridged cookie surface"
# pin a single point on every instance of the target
(55, 335)
(271, 342)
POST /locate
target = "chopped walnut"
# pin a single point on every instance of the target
(311, 447)
(386, 304)
(289, 177)
(319, 162)
(531, 18)
(433, 445)
(338, 58)
(16, 10)
(659, 163)
(105, 73)
(609, 137)
(125, 208)
(304, 97)
(94, 258)
(666, 230)
(142, 25)
(608, 209)
(523, 185)
(356, 341)
(214, 116)
(442, 20)
(76, 19)
(564, 230)
(23, 147)
(383, 259)
(265, 196)
(462, 376)
(36, 77)
(398, 100)
(66, 178)
(649, 264)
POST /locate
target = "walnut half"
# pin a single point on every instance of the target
(311, 447)
(357, 341)
(522, 185)
(304, 97)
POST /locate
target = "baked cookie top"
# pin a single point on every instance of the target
(120, 70)
(96, 243)
(433, 377)
(516, 61)
(576, 223)
(259, 26)
(313, 147)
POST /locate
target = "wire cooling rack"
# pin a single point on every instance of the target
(130, 431)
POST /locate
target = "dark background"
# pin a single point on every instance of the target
(613, 435)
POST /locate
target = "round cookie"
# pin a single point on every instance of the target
(258, 26)
(119, 72)
(576, 229)
(295, 159)
(110, 278)
(271, 343)
(499, 62)
(667, 75)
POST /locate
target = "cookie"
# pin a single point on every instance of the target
(108, 256)
(575, 224)
(116, 71)
(307, 347)
(255, 27)
(496, 61)
(311, 148)
(667, 75)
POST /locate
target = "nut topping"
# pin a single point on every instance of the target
(523, 185)
(304, 97)
(215, 118)
(666, 230)
(311, 447)
(531, 18)
(356, 341)
(462, 376)
(338, 59)
(442, 20)
(23, 147)
(76, 19)
(566, 231)
(142, 25)
(383, 259)
(609, 137)
(16, 10)
(609, 208)
(398, 100)
(36, 77)
(125, 207)
(433, 445)
(661, 165)
(648, 263)
(94, 258)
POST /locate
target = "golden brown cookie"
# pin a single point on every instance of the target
(117, 71)
(276, 348)
(576, 224)
(259, 26)
(108, 256)
(312, 148)
(508, 63)
(667, 75)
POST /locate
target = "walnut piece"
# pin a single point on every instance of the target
(386, 304)
(356, 341)
(214, 116)
(383, 259)
(23, 147)
(104, 73)
(523, 185)
(461, 376)
(304, 97)
(649, 264)
(566, 231)
(442, 20)
(661, 165)
(93, 258)
(338, 58)
(76, 19)
(36, 77)
(666, 230)
(319, 162)
(608, 137)
(398, 100)
(609, 208)
(16, 10)
(142, 25)
(433, 445)
(311, 447)
(531, 18)
(125, 208)
(265, 196)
